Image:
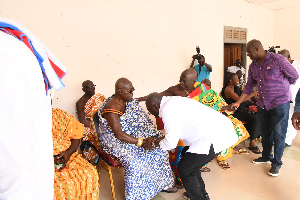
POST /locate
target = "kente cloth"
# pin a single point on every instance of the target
(147, 172)
(26, 155)
(78, 179)
(90, 108)
(205, 95)
(52, 69)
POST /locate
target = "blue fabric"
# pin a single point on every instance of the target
(146, 172)
(204, 73)
(274, 127)
(297, 105)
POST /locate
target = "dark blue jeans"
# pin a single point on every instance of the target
(273, 124)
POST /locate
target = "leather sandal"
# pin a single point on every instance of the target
(242, 151)
(223, 164)
(170, 190)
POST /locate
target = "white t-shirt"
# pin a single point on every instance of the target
(234, 69)
(196, 124)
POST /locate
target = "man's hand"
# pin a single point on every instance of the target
(195, 56)
(296, 120)
(235, 106)
(147, 144)
(227, 108)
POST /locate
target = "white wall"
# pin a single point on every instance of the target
(148, 41)
(287, 29)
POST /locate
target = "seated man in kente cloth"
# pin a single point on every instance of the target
(86, 107)
(75, 178)
(123, 129)
(200, 92)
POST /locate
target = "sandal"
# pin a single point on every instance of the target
(255, 150)
(223, 164)
(205, 169)
(242, 151)
(170, 190)
(178, 184)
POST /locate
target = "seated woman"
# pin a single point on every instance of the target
(231, 92)
(123, 131)
(75, 177)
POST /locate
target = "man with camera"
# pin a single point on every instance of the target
(203, 69)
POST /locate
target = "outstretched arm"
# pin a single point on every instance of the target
(167, 92)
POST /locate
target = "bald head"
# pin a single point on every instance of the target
(122, 83)
(206, 82)
(255, 43)
(286, 54)
(189, 74)
(255, 51)
(153, 103)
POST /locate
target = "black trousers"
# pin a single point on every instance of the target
(252, 126)
(189, 170)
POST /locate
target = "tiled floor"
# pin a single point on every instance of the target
(242, 182)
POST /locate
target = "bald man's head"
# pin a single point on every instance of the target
(188, 78)
(286, 54)
(206, 82)
(124, 89)
(153, 103)
(122, 83)
(190, 73)
(255, 50)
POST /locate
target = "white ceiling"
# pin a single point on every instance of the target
(275, 4)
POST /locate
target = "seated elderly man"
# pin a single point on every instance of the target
(75, 178)
(86, 107)
(123, 129)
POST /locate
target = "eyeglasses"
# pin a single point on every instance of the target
(250, 50)
(131, 90)
(91, 87)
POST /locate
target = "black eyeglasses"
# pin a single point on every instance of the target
(131, 90)
(91, 87)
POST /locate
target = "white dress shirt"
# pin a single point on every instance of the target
(196, 124)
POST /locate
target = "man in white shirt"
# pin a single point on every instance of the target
(234, 69)
(291, 131)
(191, 122)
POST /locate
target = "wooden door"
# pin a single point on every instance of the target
(231, 53)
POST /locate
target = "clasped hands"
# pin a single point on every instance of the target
(147, 143)
(61, 158)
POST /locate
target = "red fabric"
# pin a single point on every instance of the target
(195, 92)
(110, 160)
(160, 124)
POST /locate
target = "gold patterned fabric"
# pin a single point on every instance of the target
(90, 108)
(78, 179)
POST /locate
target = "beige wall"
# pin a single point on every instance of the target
(148, 41)
(287, 29)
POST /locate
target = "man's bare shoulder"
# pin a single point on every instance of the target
(82, 101)
(175, 89)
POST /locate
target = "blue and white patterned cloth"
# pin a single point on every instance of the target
(147, 172)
